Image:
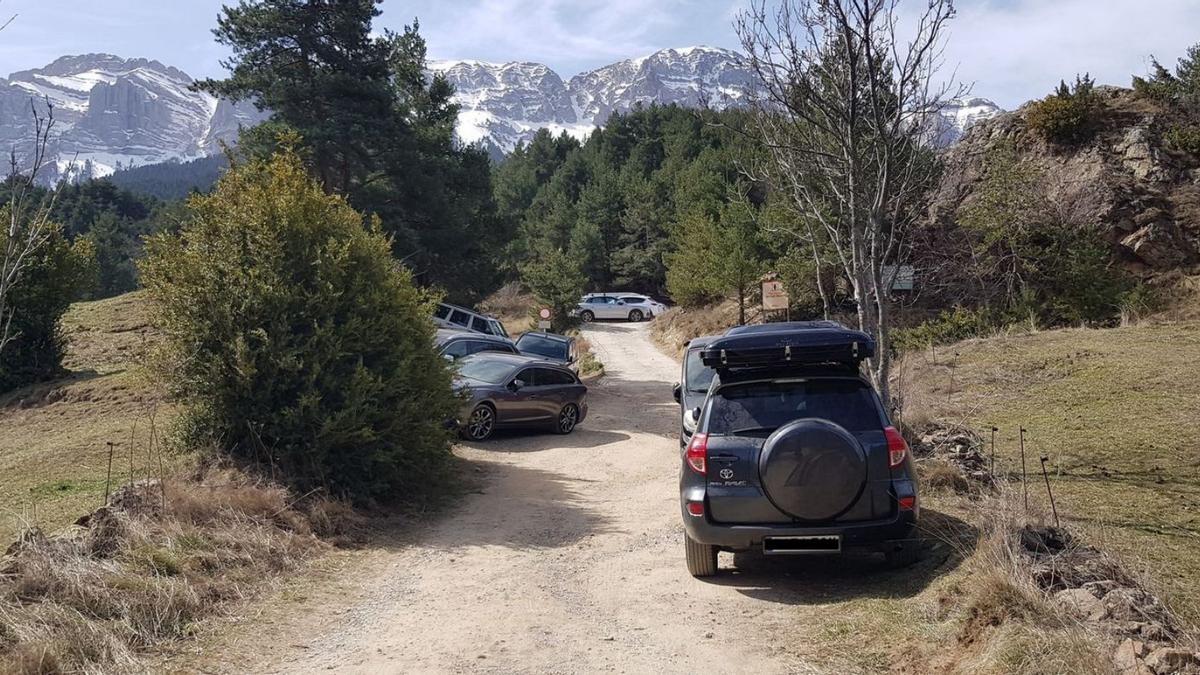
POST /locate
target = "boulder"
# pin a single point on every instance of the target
(1129, 658)
(1160, 245)
(1081, 602)
(1173, 660)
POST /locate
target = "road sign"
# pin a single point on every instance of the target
(774, 296)
(544, 313)
(543, 325)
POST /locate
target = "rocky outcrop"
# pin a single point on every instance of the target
(112, 112)
(1144, 198)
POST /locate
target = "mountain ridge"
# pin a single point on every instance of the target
(113, 112)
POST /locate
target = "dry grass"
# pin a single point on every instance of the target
(146, 569)
(589, 366)
(1115, 412)
(53, 451)
(672, 331)
(513, 304)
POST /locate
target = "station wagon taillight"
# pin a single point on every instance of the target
(897, 447)
(697, 453)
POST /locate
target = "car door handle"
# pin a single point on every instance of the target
(724, 458)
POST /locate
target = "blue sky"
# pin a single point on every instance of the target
(1011, 50)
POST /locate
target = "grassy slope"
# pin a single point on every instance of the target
(52, 447)
(1116, 411)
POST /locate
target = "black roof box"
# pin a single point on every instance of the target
(789, 343)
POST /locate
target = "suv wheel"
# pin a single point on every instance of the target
(701, 558)
(567, 419)
(635, 315)
(586, 316)
(481, 423)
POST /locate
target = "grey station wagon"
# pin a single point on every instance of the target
(507, 390)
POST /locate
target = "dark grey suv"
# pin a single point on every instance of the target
(509, 390)
(793, 452)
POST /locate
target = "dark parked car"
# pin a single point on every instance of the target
(793, 452)
(455, 344)
(508, 390)
(550, 346)
(692, 387)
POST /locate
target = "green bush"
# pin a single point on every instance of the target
(1069, 115)
(56, 274)
(297, 341)
(1183, 139)
(950, 326)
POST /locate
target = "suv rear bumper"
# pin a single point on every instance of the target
(876, 535)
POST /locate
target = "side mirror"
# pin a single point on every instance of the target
(677, 392)
(517, 385)
(448, 357)
(696, 413)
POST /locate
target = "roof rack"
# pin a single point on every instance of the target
(796, 343)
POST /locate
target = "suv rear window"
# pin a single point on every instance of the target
(761, 407)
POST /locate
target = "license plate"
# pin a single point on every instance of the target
(826, 543)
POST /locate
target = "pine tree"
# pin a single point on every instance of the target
(375, 128)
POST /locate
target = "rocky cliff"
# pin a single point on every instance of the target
(1143, 196)
(112, 112)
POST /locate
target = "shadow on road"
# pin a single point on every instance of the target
(526, 440)
(517, 507)
(824, 579)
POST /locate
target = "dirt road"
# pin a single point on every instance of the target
(570, 559)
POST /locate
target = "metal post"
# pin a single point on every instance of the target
(1046, 476)
(1024, 485)
(994, 430)
(108, 477)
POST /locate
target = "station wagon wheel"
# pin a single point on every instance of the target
(567, 419)
(635, 315)
(587, 316)
(481, 423)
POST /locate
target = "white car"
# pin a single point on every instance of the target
(628, 306)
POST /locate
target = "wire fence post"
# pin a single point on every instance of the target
(1024, 483)
(1046, 476)
(994, 430)
(108, 477)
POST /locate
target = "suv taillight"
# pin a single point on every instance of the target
(897, 447)
(697, 453)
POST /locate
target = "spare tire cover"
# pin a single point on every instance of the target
(812, 469)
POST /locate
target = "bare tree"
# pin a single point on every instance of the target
(28, 223)
(845, 105)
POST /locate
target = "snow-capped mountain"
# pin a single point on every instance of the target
(110, 112)
(959, 115)
(506, 103)
(503, 104)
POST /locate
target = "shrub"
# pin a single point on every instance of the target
(1068, 116)
(1183, 139)
(57, 273)
(949, 326)
(297, 340)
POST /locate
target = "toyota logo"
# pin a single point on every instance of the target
(726, 474)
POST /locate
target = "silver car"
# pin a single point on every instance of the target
(628, 306)
(509, 390)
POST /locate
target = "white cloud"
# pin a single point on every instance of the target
(570, 33)
(1020, 49)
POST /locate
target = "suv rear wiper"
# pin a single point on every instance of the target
(748, 430)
